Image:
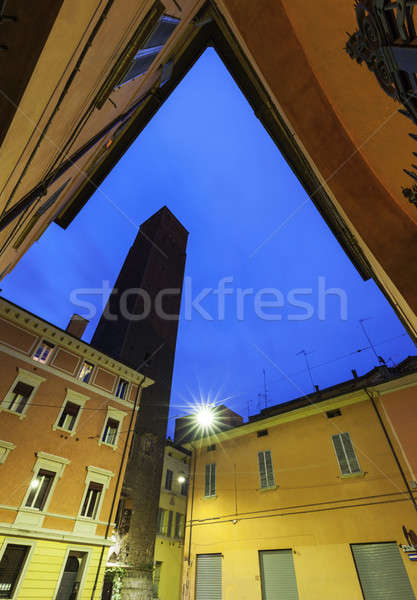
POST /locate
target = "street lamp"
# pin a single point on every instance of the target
(205, 416)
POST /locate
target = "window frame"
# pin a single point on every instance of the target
(85, 567)
(268, 476)
(93, 486)
(5, 448)
(161, 521)
(95, 475)
(210, 480)
(351, 473)
(90, 377)
(21, 577)
(75, 398)
(116, 415)
(40, 488)
(45, 462)
(49, 355)
(126, 388)
(169, 477)
(28, 378)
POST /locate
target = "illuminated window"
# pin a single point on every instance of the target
(85, 372)
(39, 489)
(43, 352)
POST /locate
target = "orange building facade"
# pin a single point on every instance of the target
(66, 412)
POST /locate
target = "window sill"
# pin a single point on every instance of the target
(270, 488)
(352, 475)
(70, 432)
(12, 412)
(210, 497)
(112, 446)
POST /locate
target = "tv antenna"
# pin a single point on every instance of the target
(378, 357)
(264, 395)
(308, 364)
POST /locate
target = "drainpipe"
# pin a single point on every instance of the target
(116, 489)
(390, 444)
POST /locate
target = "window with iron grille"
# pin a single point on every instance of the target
(43, 352)
(92, 500)
(17, 400)
(39, 489)
(11, 567)
(210, 480)
(266, 471)
(345, 454)
(168, 479)
(110, 431)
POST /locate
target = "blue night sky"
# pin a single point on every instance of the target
(207, 157)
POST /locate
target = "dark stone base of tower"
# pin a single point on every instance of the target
(154, 263)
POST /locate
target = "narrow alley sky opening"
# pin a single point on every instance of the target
(207, 157)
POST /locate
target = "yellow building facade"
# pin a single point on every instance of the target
(169, 543)
(66, 412)
(306, 501)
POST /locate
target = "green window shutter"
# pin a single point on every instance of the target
(345, 454)
(169, 527)
(381, 572)
(278, 575)
(208, 577)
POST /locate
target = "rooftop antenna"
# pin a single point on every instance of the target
(308, 365)
(264, 395)
(379, 358)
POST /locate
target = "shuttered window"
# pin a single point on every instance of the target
(278, 575)
(169, 527)
(381, 571)
(210, 480)
(266, 471)
(345, 454)
(208, 584)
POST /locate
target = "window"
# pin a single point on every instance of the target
(69, 416)
(122, 388)
(345, 454)
(5, 448)
(70, 413)
(210, 480)
(331, 414)
(39, 489)
(168, 479)
(21, 392)
(85, 372)
(262, 433)
(179, 519)
(112, 427)
(43, 352)
(92, 500)
(151, 48)
(211, 448)
(11, 567)
(169, 525)
(266, 472)
(184, 488)
(160, 528)
(110, 432)
(19, 397)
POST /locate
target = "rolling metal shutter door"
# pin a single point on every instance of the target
(278, 575)
(208, 577)
(381, 572)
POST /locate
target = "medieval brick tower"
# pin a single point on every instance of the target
(139, 327)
